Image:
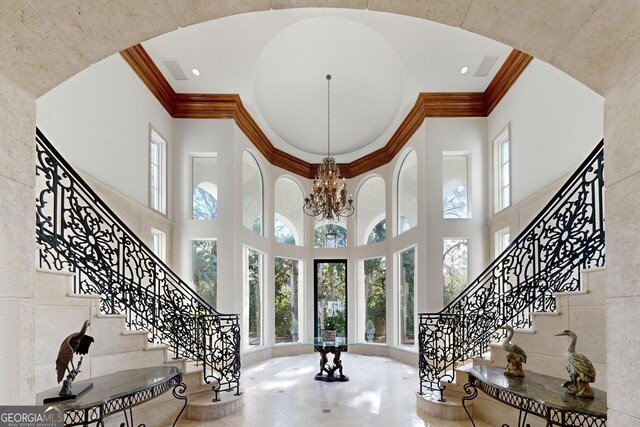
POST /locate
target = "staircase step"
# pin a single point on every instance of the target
(452, 409)
(201, 408)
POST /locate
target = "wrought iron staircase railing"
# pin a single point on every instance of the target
(78, 232)
(565, 237)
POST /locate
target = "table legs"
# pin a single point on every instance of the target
(330, 369)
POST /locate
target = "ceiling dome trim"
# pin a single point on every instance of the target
(229, 106)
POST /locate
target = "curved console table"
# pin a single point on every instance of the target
(119, 392)
(536, 394)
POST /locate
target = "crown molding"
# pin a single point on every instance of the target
(229, 106)
(142, 64)
(506, 76)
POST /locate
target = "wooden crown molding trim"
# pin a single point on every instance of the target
(142, 64)
(506, 76)
(229, 106)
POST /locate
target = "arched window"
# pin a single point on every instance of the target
(371, 219)
(330, 235)
(252, 194)
(288, 222)
(408, 193)
(204, 191)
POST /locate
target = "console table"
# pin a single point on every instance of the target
(536, 394)
(119, 392)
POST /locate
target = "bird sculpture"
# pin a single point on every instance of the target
(580, 369)
(77, 343)
(516, 355)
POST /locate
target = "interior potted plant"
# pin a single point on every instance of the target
(329, 331)
(370, 331)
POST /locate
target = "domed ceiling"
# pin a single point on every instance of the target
(277, 62)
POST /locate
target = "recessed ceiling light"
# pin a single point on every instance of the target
(196, 72)
(464, 70)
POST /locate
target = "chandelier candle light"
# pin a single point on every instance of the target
(328, 197)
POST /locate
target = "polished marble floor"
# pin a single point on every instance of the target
(282, 392)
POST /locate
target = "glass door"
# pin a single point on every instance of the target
(330, 294)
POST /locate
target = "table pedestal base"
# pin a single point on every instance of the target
(334, 377)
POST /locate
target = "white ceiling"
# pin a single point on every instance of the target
(277, 62)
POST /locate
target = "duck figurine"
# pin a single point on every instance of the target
(580, 369)
(516, 355)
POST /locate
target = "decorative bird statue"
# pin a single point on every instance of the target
(78, 343)
(516, 355)
(580, 369)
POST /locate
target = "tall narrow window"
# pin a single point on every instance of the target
(288, 300)
(503, 238)
(159, 244)
(205, 269)
(455, 203)
(455, 267)
(330, 296)
(370, 212)
(204, 190)
(502, 147)
(252, 194)
(408, 193)
(406, 280)
(374, 291)
(253, 306)
(157, 172)
(288, 222)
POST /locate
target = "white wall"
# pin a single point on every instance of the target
(556, 122)
(99, 121)
(464, 136)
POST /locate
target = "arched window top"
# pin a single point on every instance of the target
(330, 235)
(288, 216)
(252, 194)
(407, 192)
(370, 211)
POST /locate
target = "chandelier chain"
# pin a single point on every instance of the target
(328, 198)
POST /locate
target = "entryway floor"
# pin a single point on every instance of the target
(282, 392)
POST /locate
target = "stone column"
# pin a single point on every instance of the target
(17, 245)
(622, 204)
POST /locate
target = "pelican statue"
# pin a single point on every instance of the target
(77, 343)
(580, 369)
(516, 355)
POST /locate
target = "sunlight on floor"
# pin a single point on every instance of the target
(282, 392)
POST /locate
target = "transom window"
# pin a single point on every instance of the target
(455, 172)
(204, 191)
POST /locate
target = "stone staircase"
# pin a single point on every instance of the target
(582, 312)
(60, 312)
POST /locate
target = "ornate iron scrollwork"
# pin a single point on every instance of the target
(567, 236)
(78, 232)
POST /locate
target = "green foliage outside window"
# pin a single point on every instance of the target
(375, 290)
(205, 269)
(286, 292)
(332, 297)
(254, 279)
(455, 268)
(407, 278)
(379, 233)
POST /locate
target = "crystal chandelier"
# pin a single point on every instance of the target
(328, 197)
